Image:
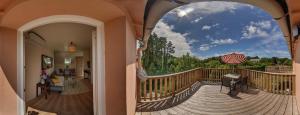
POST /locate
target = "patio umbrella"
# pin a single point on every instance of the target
(233, 58)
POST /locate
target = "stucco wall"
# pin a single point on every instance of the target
(115, 68)
(296, 70)
(130, 70)
(33, 53)
(120, 67)
(8, 78)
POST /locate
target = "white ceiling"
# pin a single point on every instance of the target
(59, 35)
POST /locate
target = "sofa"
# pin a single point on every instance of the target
(57, 83)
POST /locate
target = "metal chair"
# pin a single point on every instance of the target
(225, 82)
(243, 81)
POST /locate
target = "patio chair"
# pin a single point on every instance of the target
(243, 82)
(225, 82)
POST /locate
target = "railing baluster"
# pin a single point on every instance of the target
(281, 84)
(166, 86)
(290, 84)
(155, 88)
(173, 86)
(145, 90)
(139, 93)
(150, 89)
(293, 85)
(161, 88)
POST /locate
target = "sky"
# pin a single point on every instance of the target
(207, 29)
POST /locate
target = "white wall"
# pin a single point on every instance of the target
(33, 53)
(60, 59)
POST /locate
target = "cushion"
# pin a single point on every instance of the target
(55, 80)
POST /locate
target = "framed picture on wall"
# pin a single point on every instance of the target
(47, 62)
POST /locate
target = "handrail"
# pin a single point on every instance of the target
(271, 72)
(167, 75)
(166, 86)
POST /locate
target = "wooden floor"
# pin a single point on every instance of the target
(79, 104)
(208, 100)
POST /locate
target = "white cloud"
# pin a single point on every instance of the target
(192, 41)
(229, 52)
(270, 47)
(197, 20)
(204, 47)
(212, 7)
(256, 29)
(264, 24)
(215, 43)
(178, 39)
(224, 41)
(206, 27)
(181, 12)
(204, 8)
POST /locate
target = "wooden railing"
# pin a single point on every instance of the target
(160, 87)
(279, 83)
(165, 86)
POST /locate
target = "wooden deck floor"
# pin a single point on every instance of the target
(209, 100)
(78, 104)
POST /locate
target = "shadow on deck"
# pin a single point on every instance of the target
(204, 98)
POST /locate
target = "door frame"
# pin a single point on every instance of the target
(99, 104)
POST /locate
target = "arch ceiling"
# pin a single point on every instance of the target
(287, 13)
(15, 13)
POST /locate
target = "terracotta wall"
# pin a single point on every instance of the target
(8, 77)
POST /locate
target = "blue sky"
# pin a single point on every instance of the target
(207, 29)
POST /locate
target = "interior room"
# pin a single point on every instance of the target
(58, 70)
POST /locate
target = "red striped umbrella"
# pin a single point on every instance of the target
(233, 58)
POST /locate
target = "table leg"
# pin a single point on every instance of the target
(37, 90)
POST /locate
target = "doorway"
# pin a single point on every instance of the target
(98, 65)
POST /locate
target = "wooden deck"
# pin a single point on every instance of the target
(208, 100)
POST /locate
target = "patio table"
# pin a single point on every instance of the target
(233, 76)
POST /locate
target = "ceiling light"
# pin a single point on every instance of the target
(72, 47)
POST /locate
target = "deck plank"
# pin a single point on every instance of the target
(295, 107)
(289, 107)
(209, 100)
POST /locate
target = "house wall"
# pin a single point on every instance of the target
(33, 53)
(296, 70)
(115, 67)
(8, 77)
(120, 67)
(131, 98)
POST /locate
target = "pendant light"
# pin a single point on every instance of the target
(72, 47)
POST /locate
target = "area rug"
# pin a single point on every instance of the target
(74, 86)
(32, 111)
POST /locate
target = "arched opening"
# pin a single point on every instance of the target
(183, 25)
(97, 58)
